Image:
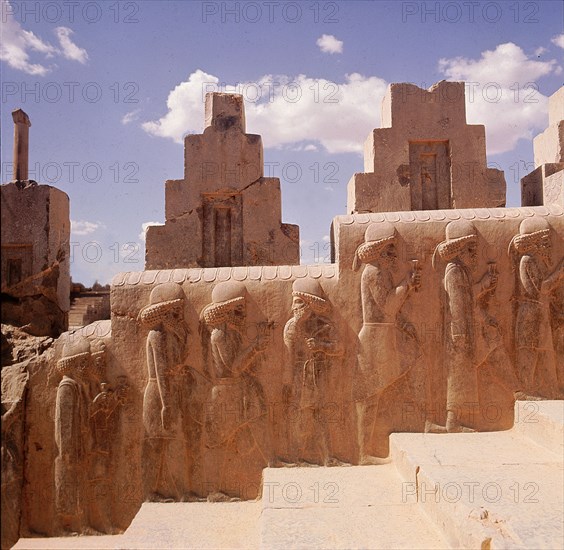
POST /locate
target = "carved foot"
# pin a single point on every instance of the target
(221, 497)
(432, 428)
(368, 460)
(522, 396)
(282, 463)
(456, 428)
(92, 532)
(193, 497)
(156, 497)
(306, 464)
(332, 462)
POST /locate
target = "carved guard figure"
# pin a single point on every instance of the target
(313, 343)
(72, 435)
(460, 252)
(235, 431)
(378, 360)
(535, 355)
(162, 410)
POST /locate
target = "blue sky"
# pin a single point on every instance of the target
(112, 87)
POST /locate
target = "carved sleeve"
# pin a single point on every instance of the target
(388, 298)
(330, 339)
(289, 339)
(219, 352)
(158, 351)
(530, 277)
(65, 411)
(457, 294)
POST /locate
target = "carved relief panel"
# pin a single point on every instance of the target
(17, 263)
(429, 163)
(222, 230)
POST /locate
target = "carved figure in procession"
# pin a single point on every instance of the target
(314, 344)
(12, 447)
(104, 416)
(72, 435)
(86, 423)
(164, 453)
(463, 327)
(378, 360)
(536, 289)
(557, 322)
(235, 430)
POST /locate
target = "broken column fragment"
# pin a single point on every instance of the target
(425, 156)
(35, 247)
(224, 212)
(21, 145)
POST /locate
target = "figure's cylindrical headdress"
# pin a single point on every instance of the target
(376, 237)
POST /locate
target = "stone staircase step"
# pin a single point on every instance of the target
(104, 542)
(79, 308)
(542, 422)
(194, 525)
(345, 507)
(487, 490)
(176, 525)
(472, 490)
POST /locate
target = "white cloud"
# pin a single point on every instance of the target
(284, 110)
(18, 44)
(303, 113)
(144, 226)
(540, 51)
(83, 227)
(130, 117)
(505, 65)
(185, 108)
(69, 49)
(502, 94)
(329, 44)
(558, 40)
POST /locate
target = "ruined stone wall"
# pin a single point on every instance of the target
(35, 258)
(269, 402)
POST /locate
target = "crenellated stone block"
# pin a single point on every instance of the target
(425, 156)
(224, 212)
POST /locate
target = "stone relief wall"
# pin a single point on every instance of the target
(428, 321)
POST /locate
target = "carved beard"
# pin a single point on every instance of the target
(236, 322)
(545, 255)
(300, 314)
(177, 328)
(469, 263)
